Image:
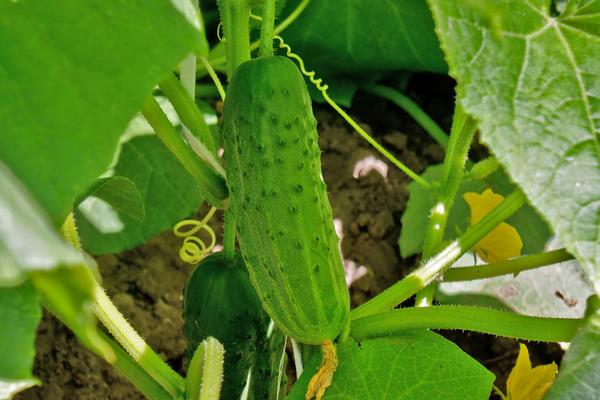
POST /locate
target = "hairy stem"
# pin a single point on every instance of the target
(438, 264)
(513, 266)
(205, 176)
(463, 129)
(235, 15)
(135, 346)
(268, 26)
(412, 109)
(131, 370)
(476, 319)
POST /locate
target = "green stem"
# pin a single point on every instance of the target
(476, 319)
(134, 373)
(135, 346)
(513, 266)
(484, 168)
(218, 61)
(412, 109)
(145, 359)
(229, 234)
(214, 77)
(184, 104)
(206, 177)
(268, 26)
(235, 15)
(438, 264)
(463, 129)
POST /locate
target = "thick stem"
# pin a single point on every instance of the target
(135, 374)
(513, 266)
(218, 61)
(205, 373)
(476, 319)
(436, 265)
(268, 26)
(412, 109)
(135, 346)
(191, 117)
(206, 177)
(461, 136)
(235, 15)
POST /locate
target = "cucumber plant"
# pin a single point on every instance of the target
(76, 180)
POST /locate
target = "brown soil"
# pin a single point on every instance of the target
(147, 283)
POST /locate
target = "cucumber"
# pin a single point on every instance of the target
(219, 301)
(279, 199)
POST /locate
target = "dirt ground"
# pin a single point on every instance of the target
(147, 283)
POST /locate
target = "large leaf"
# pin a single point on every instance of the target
(168, 193)
(73, 73)
(579, 372)
(31, 249)
(355, 36)
(532, 81)
(418, 365)
(19, 317)
(533, 230)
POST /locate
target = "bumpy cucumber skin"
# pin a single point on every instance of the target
(285, 223)
(219, 301)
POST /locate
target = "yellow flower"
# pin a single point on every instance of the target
(504, 241)
(526, 383)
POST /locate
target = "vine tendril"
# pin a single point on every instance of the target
(194, 249)
(322, 88)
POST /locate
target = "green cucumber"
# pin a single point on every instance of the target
(219, 301)
(279, 198)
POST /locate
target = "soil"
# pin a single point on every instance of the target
(147, 283)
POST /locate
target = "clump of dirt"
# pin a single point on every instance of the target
(147, 283)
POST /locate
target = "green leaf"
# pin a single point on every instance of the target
(531, 80)
(579, 371)
(533, 230)
(73, 73)
(168, 192)
(19, 317)
(118, 192)
(31, 249)
(413, 366)
(365, 36)
(558, 291)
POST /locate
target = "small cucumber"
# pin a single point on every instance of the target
(219, 301)
(279, 198)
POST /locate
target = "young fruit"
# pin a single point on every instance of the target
(220, 302)
(285, 224)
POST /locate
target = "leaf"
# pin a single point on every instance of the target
(30, 249)
(532, 83)
(501, 243)
(580, 368)
(365, 36)
(73, 73)
(532, 229)
(557, 291)
(526, 383)
(412, 366)
(118, 192)
(168, 192)
(19, 317)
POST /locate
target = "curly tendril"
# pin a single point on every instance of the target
(322, 88)
(318, 82)
(194, 249)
